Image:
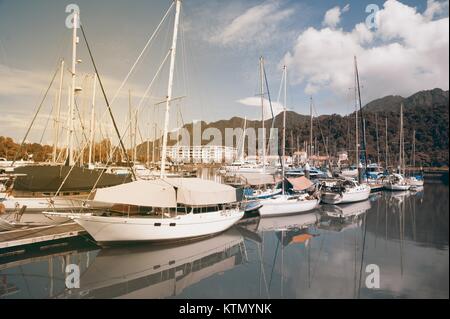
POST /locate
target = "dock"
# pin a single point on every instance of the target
(42, 234)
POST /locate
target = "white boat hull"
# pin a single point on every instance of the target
(123, 229)
(346, 197)
(282, 205)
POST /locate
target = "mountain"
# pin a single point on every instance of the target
(426, 112)
(427, 98)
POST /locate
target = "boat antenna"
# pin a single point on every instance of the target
(107, 102)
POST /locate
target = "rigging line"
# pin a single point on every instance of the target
(183, 53)
(106, 100)
(81, 121)
(109, 158)
(142, 52)
(34, 117)
(278, 102)
(46, 124)
(271, 110)
(323, 137)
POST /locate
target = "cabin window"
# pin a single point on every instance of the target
(172, 224)
(157, 224)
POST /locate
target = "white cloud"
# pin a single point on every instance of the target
(256, 101)
(435, 8)
(333, 16)
(257, 24)
(407, 53)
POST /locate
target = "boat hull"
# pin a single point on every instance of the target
(346, 197)
(122, 229)
(282, 206)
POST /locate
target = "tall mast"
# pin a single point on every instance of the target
(386, 144)
(69, 98)
(173, 50)
(149, 129)
(311, 127)
(76, 20)
(402, 150)
(414, 150)
(135, 136)
(284, 128)
(130, 124)
(362, 117)
(378, 141)
(356, 132)
(261, 71)
(243, 140)
(92, 128)
(58, 112)
(154, 144)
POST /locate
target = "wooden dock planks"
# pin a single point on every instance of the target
(39, 234)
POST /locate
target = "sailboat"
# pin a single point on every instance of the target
(285, 204)
(397, 181)
(348, 190)
(169, 209)
(39, 187)
(345, 191)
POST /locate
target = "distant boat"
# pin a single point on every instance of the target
(285, 204)
(396, 182)
(345, 191)
(351, 172)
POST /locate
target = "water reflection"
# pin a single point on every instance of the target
(322, 254)
(159, 271)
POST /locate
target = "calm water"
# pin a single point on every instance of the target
(316, 255)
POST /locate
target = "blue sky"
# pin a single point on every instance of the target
(217, 65)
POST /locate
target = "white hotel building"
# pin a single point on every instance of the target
(206, 154)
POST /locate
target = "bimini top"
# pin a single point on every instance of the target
(168, 192)
(200, 192)
(149, 193)
(258, 179)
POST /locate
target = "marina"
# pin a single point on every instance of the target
(313, 255)
(327, 192)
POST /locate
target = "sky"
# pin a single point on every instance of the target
(401, 49)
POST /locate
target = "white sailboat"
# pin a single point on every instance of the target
(397, 182)
(345, 191)
(286, 204)
(173, 208)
